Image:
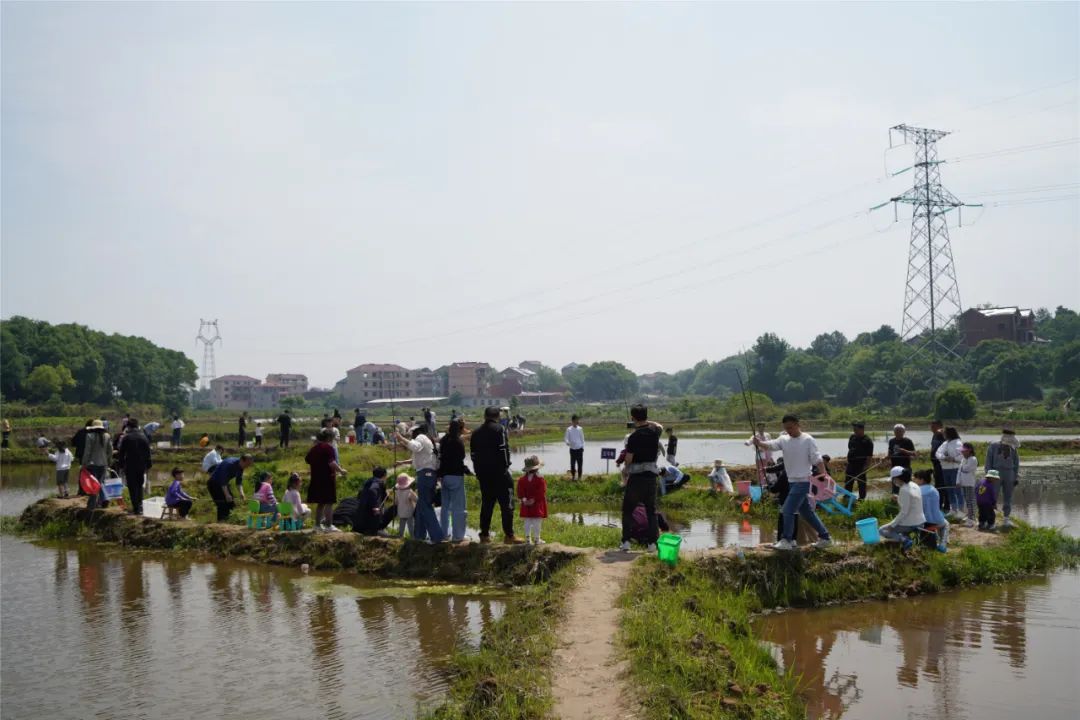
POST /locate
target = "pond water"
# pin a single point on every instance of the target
(89, 633)
(987, 654)
(697, 533)
(698, 451)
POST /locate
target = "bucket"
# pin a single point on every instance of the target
(667, 548)
(755, 493)
(743, 487)
(152, 507)
(868, 530)
(114, 489)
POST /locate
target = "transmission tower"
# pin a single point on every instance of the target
(932, 297)
(208, 335)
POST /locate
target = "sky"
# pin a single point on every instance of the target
(423, 184)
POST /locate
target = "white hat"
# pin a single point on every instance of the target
(900, 427)
(897, 471)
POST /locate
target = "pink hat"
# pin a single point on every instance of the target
(404, 481)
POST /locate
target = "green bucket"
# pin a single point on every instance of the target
(667, 547)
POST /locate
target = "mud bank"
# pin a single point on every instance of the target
(387, 557)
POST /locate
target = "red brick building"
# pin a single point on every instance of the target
(1004, 323)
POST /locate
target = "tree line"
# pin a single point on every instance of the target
(45, 363)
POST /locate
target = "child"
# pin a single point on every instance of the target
(406, 499)
(300, 511)
(62, 457)
(258, 434)
(911, 515)
(931, 502)
(264, 493)
(175, 497)
(532, 491)
(719, 479)
(965, 480)
(986, 499)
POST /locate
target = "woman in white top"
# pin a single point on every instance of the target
(949, 455)
(911, 515)
(965, 480)
(62, 457)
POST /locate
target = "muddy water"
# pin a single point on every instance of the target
(132, 635)
(697, 534)
(991, 653)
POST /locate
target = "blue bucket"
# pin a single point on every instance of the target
(755, 493)
(868, 530)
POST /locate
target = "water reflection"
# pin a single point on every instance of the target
(157, 635)
(957, 655)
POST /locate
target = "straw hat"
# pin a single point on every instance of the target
(404, 481)
(96, 425)
(533, 462)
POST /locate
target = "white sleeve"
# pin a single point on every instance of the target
(815, 454)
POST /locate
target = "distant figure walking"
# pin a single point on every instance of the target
(97, 451)
(241, 433)
(6, 434)
(284, 421)
(575, 440)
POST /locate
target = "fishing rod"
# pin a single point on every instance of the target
(393, 424)
(750, 416)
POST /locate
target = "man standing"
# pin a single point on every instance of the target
(134, 456)
(901, 450)
(490, 452)
(937, 439)
(575, 440)
(640, 472)
(212, 459)
(860, 449)
(218, 484)
(801, 455)
(1004, 457)
(284, 421)
(358, 424)
(177, 427)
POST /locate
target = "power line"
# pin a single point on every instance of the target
(1021, 191)
(1035, 201)
(1062, 142)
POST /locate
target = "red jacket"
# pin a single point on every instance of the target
(535, 489)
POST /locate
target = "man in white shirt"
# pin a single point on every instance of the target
(801, 456)
(575, 439)
(177, 426)
(212, 459)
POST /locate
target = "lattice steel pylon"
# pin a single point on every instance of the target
(932, 296)
(208, 335)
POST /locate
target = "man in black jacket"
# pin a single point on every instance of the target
(284, 421)
(490, 452)
(860, 451)
(371, 517)
(134, 457)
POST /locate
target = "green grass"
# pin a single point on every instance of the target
(509, 677)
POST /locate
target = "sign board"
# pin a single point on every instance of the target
(607, 453)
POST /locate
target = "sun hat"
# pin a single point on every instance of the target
(897, 471)
(404, 481)
(993, 475)
(718, 463)
(533, 462)
(899, 426)
(96, 425)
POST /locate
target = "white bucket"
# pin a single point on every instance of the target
(152, 507)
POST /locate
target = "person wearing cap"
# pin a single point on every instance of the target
(860, 450)
(425, 463)
(133, 452)
(986, 494)
(405, 499)
(96, 454)
(719, 478)
(911, 516)
(1003, 457)
(532, 491)
(801, 457)
(901, 450)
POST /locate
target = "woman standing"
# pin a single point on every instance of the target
(96, 456)
(453, 470)
(950, 455)
(1003, 457)
(322, 491)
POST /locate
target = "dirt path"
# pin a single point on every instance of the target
(588, 682)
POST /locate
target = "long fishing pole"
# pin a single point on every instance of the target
(748, 402)
(393, 425)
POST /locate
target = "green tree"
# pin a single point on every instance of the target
(1012, 376)
(769, 353)
(454, 399)
(46, 381)
(806, 375)
(607, 380)
(956, 402)
(1067, 363)
(292, 402)
(829, 345)
(549, 380)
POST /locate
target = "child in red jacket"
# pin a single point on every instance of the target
(532, 491)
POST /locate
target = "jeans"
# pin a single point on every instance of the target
(453, 506)
(576, 460)
(176, 437)
(947, 488)
(969, 501)
(798, 503)
(426, 523)
(135, 490)
(269, 508)
(410, 523)
(896, 532)
(640, 489)
(1005, 491)
(495, 488)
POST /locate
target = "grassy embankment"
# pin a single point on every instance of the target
(687, 630)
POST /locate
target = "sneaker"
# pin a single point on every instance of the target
(783, 545)
(651, 548)
(331, 528)
(625, 547)
(540, 542)
(969, 523)
(823, 543)
(1007, 523)
(942, 548)
(906, 543)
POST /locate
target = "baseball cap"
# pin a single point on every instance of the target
(897, 471)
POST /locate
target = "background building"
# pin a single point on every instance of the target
(469, 379)
(374, 381)
(295, 384)
(232, 391)
(1004, 323)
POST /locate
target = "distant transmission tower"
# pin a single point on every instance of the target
(932, 298)
(208, 335)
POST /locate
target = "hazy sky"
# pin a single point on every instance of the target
(429, 183)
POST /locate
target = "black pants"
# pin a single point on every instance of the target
(986, 516)
(134, 483)
(5, 442)
(495, 488)
(851, 478)
(222, 498)
(183, 507)
(640, 488)
(258, 441)
(375, 523)
(576, 458)
(283, 441)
